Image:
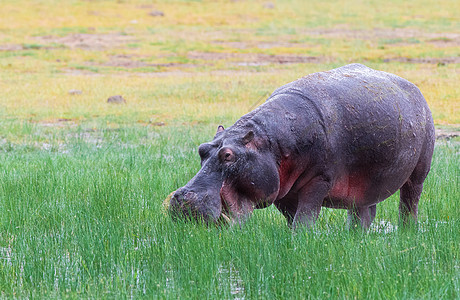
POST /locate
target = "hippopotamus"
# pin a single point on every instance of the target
(347, 138)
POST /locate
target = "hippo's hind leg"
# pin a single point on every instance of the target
(411, 190)
(362, 216)
(409, 197)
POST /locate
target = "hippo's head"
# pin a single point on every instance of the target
(238, 173)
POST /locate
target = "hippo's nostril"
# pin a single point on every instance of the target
(190, 205)
(183, 199)
(190, 196)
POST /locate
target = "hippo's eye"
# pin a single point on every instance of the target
(226, 155)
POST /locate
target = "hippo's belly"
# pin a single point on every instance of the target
(358, 189)
(348, 190)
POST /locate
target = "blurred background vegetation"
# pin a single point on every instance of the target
(192, 62)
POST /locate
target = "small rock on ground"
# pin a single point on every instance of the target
(75, 92)
(269, 5)
(156, 13)
(117, 99)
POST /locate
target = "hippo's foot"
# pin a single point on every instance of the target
(361, 217)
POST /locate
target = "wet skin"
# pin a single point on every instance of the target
(346, 138)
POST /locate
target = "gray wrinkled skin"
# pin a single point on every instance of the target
(345, 138)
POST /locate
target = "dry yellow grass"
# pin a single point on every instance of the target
(209, 61)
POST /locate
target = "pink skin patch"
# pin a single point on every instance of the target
(288, 176)
(232, 204)
(350, 189)
(238, 205)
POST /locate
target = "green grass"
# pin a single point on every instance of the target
(82, 181)
(82, 217)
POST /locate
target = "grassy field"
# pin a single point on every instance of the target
(82, 181)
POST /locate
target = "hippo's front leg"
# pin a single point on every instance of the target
(362, 216)
(310, 200)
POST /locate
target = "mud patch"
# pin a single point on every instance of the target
(442, 42)
(240, 59)
(89, 41)
(382, 33)
(61, 122)
(256, 58)
(75, 72)
(425, 60)
(178, 73)
(11, 47)
(447, 133)
(259, 45)
(130, 62)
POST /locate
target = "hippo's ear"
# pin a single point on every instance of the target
(248, 137)
(220, 129)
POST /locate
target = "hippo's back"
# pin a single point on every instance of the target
(363, 108)
(356, 91)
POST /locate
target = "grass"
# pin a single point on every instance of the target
(82, 181)
(84, 218)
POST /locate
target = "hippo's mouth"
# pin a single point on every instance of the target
(225, 219)
(225, 216)
(234, 206)
(224, 213)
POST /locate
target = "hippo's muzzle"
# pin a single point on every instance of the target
(191, 205)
